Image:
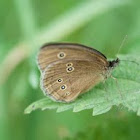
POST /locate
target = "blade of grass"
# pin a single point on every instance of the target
(76, 18)
(26, 18)
(3, 108)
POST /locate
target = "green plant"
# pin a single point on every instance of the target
(101, 98)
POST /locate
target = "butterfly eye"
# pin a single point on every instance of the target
(69, 64)
(63, 87)
(70, 69)
(59, 80)
(61, 55)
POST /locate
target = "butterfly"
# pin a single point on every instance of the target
(69, 70)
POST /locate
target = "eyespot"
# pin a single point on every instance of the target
(67, 93)
(63, 87)
(59, 80)
(69, 64)
(70, 69)
(61, 55)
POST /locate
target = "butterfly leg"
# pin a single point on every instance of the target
(122, 97)
(106, 95)
(116, 81)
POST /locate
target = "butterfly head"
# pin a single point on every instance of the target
(114, 63)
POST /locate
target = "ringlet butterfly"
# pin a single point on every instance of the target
(68, 70)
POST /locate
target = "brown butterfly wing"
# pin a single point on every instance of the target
(50, 53)
(64, 80)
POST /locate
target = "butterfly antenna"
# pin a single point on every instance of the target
(122, 44)
(131, 61)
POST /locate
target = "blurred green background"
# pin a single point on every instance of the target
(25, 25)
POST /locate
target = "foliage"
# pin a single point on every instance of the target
(126, 92)
(26, 25)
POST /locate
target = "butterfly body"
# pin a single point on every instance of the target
(68, 70)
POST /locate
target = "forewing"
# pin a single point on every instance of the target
(64, 80)
(50, 53)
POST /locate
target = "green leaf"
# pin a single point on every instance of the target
(125, 90)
